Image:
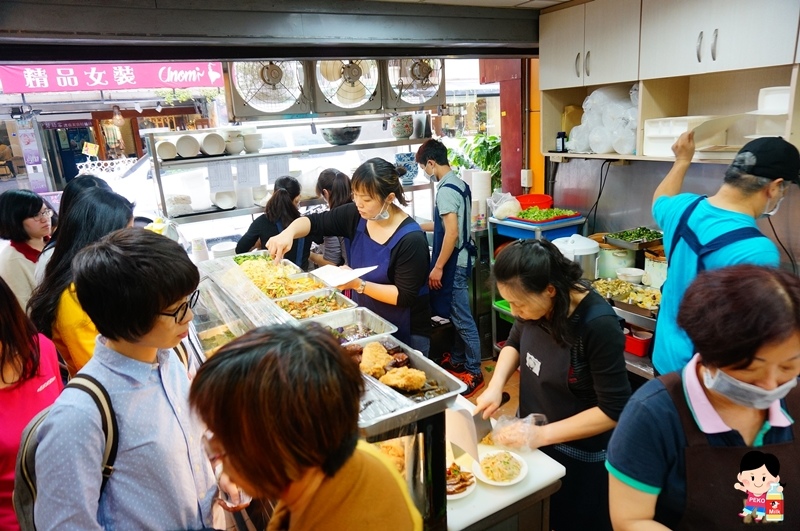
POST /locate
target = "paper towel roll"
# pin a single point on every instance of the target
(481, 189)
(466, 176)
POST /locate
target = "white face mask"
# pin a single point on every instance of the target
(430, 176)
(771, 212)
(383, 214)
(745, 394)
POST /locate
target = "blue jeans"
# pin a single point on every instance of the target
(421, 343)
(467, 343)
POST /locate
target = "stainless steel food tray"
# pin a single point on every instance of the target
(360, 316)
(321, 285)
(383, 409)
(347, 304)
(635, 246)
(293, 268)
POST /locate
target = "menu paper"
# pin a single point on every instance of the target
(336, 276)
(220, 177)
(248, 172)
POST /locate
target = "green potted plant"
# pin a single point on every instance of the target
(482, 152)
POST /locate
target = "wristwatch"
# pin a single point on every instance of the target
(362, 286)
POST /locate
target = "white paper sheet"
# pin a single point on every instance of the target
(460, 428)
(336, 276)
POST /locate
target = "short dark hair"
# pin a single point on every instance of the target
(432, 150)
(755, 459)
(94, 214)
(730, 313)
(126, 279)
(281, 399)
(15, 207)
(532, 265)
(378, 178)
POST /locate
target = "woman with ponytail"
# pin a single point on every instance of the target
(280, 212)
(334, 187)
(568, 344)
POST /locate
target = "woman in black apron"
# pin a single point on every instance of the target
(714, 446)
(568, 344)
(280, 211)
(377, 233)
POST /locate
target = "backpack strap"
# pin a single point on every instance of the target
(95, 389)
(466, 239)
(743, 233)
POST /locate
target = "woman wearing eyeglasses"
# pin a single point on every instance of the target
(25, 221)
(568, 344)
(138, 288)
(54, 307)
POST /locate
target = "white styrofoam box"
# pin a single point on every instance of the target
(774, 99)
(661, 133)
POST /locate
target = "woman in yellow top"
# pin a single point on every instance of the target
(295, 440)
(54, 307)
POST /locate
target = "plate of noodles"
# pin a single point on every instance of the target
(501, 468)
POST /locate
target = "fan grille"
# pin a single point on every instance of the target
(269, 86)
(415, 81)
(347, 83)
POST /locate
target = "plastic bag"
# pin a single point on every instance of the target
(504, 205)
(517, 433)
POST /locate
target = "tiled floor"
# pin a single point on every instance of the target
(511, 387)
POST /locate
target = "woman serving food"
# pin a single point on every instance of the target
(569, 346)
(377, 233)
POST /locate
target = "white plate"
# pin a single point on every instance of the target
(464, 494)
(476, 469)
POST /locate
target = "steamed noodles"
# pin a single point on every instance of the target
(500, 466)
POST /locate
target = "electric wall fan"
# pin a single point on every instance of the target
(414, 84)
(346, 85)
(263, 88)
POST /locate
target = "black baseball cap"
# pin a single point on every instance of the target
(771, 157)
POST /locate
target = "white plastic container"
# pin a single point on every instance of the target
(661, 133)
(581, 250)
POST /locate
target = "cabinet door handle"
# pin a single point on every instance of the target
(714, 45)
(577, 65)
(586, 62)
(699, 44)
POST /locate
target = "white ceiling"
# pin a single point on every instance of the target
(525, 4)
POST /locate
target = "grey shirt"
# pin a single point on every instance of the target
(450, 201)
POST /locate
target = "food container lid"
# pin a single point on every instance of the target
(576, 245)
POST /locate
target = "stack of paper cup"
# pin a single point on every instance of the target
(199, 250)
(481, 191)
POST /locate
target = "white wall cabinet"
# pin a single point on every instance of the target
(686, 37)
(590, 44)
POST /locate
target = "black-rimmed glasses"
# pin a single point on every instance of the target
(43, 215)
(181, 311)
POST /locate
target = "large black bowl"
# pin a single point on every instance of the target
(341, 136)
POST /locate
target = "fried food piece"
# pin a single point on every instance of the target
(373, 360)
(395, 450)
(457, 479)
(488, 440)
(398, 360)
(404, 378)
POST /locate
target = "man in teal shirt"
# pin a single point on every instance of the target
(718, 231)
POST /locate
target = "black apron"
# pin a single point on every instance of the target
(441, 299)
(711, 471)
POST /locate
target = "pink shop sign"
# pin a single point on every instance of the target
(111, 76)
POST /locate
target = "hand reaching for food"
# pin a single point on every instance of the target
(279, 245)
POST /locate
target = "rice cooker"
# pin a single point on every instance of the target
(581, 250)
(612, 258)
